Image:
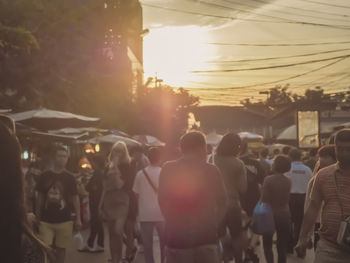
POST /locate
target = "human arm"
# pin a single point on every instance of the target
(39, 205)
(73, 193)
(221, 194)
(310, 217)
(265, 192)
(76, 206)
(241, 178)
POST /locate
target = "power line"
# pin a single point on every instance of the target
(289, 78)
(278, 44)
(324, 83)
(276, 58)
(344, 27)
(269, 67)
(210, 15)
(284, 21)
(301, 9)
(287, 13)
(325, 4)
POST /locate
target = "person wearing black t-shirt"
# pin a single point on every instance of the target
(57, 199)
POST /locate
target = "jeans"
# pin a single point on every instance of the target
(282, 224)
(96, 229)
(329, 253)
(147, 238)
(201, 254)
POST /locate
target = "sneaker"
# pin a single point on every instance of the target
(86, 249)
(99, 249)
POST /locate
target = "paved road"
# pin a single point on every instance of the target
(77, 257)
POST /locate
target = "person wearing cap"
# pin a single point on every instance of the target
(331, 192)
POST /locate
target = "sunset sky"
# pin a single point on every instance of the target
(181, 45)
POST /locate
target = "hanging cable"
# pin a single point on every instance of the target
(277, 58)
(287, 13)
(269, 67)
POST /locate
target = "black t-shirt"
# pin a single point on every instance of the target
(58, 190)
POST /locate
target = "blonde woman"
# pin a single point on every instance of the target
(114, 204)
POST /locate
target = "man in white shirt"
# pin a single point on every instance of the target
(150, 216)
(299, 176)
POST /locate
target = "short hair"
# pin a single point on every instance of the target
(342, 136)
(295, 154)
(276, 151)
(154, 155)
(282, 164)
(286, 150)
(313, 152)
(57, 149)
(229, 145)
(264, 152)
(192, 141)
(327, 150)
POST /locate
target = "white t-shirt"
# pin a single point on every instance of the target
(149, 210)
(300, 176)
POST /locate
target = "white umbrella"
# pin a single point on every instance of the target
(111, 138)
(250, 135)
(213, 138)
(46, 119)
(77, 130)
(149, 140)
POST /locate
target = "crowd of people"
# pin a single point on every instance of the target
(202, 204)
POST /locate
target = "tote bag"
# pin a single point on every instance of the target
(263, 222)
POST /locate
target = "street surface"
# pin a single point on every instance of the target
(73, 256)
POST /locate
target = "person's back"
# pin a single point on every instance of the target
(192, 198)
(278, 191)
(188, 198)
(234, 175)
(300, 175)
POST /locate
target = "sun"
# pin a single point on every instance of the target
(172, 53)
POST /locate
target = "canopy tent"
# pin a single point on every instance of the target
(77, 130)
(45, 119)
(213, 138)
(149, 140)
(111, 139)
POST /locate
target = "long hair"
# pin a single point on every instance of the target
(229, 145)
(120, 147)
(13, 216)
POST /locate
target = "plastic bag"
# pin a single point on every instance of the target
(79, 241)
(263, 222)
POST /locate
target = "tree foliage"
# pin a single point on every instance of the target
(281, 96)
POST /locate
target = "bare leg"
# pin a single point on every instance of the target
(115, 229)
(60, 254)
(129, 232)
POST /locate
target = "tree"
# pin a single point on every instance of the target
(163, 111)
(53, 54)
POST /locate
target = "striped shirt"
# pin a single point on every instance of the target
(324, 189)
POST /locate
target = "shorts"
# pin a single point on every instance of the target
(115, 205)
(232, 221)
(61, 233)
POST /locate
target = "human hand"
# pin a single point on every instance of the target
(301, 246)
(77, 224)
(32, 220)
